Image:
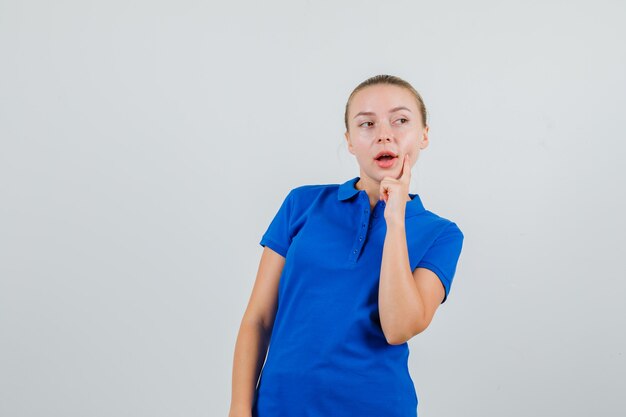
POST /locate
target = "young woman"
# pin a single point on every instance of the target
(349, 273)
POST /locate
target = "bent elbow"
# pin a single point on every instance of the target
(398, 339)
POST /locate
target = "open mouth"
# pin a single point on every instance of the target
(386, 160)
(385, 155)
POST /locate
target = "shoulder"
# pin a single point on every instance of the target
(443, 221)
(445, 226)
(304, 199)
(313, 188)
(309, 192)
(436, 224)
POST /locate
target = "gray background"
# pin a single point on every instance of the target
(145, 147)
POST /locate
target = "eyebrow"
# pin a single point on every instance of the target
(369, 113)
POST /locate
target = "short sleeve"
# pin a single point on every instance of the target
(443, 255)
(278, 235)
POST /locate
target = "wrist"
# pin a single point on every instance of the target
(395, 223)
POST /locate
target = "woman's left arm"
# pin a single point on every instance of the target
(406, 301)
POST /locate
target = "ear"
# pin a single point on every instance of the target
(349, 144)
(424, 142)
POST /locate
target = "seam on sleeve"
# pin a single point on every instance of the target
(275, 246)
(442, 277)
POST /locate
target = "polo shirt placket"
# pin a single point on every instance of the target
(366, 226)
(369, 220)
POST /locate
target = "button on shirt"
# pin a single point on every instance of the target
(328, 355)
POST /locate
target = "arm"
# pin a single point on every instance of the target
(407, 301)
(254, 333)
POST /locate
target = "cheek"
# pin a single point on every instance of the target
(364, 134)
(411, 149)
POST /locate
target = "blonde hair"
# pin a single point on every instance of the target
(390, 80)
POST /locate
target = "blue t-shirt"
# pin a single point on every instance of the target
(328, 355)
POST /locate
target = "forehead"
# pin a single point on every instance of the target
(382, 97)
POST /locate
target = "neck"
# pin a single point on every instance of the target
(372, 188)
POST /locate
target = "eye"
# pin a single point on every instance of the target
(364, 123)
(405, 120)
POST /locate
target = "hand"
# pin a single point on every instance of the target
(395, 192)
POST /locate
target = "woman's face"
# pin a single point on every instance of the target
(384, 117)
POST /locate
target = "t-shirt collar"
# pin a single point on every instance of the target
(348, 190)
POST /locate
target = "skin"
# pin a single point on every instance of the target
(407, 301)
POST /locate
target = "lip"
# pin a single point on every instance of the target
(386, 152)
(387, 163)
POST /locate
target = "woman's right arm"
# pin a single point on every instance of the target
(254, 333)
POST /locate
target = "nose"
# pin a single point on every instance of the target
(384, 134)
